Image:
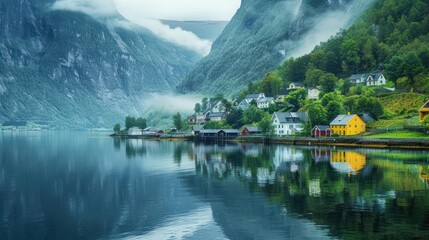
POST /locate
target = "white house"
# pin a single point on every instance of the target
(288, 123)
(376, 79)
(218, 107)
(373, 79)
(214, 116)
(358, 78)
(313, 93)
(245, 103)
(295, 86)
(264, 102)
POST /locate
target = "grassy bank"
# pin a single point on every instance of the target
(400, 134)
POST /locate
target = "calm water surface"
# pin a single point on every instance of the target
(79, 185)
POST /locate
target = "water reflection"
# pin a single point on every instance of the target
(355, 193)
(74, 186)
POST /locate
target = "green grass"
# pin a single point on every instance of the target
(400, 134)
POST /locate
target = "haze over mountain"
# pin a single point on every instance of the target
(74, 63)
(263, 34)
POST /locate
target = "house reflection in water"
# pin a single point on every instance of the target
(321, 154)
(347, 161)
(424, 173)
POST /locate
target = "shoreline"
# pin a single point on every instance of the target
(385, 143)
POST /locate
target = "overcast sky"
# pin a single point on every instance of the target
(179, 9)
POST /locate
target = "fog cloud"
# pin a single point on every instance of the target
(182, 10)
(90, 7)
(181, 103)
(176, 36)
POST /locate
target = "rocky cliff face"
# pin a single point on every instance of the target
(264, 33)
(72, 69)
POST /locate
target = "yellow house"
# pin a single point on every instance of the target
(347, 161)
(424, 111)
(347, 125)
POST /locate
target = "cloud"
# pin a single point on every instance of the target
(179, 9)
(91, 7)
(176, 36)
(182, 103)
(102, 8)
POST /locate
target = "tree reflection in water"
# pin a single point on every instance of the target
(355, 193)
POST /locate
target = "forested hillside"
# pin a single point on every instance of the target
(262, 35)
(393, 37)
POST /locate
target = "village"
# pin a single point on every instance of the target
(260, 115)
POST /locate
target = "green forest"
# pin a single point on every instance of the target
(392, 38)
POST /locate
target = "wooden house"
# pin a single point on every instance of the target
(347, 125)
(250, 130)
(321, 131)
(219, 134)
(424, 111)
(288, 123)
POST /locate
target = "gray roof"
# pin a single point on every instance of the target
(376, 75)
(341, 120)
(366, 117)
(267, 99)
(298, 84)
(218, 130)
(197, 127)
(356, 76)
(252, 96)
(152, 129)
(322, 127)
(289, 117)
(243, 103)
(210, 130)
(252, 129)
(216, 114)
(230, 130)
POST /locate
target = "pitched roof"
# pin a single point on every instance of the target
(366, 117)
(426, 105)
(197, 127)
(298, 84)
(152, 129)
(218, 130)
(252, 96)
(252, 129)
(322, 127)
(230, 130)
(375, 76)
(289, 117)
(341, 120)
(267, 99)
(356, 76)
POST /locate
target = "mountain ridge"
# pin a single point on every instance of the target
(73, 69)
(259, 37)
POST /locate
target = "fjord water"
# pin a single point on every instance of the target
(80, 185)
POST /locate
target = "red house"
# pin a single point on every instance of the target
(250, 130)
(321, 131)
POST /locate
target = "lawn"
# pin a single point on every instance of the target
(399, 134)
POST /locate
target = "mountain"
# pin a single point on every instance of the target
(209, 30)
(264, 33)
(73, 67)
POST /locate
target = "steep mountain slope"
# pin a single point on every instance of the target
(72, 69)
(264, 33)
